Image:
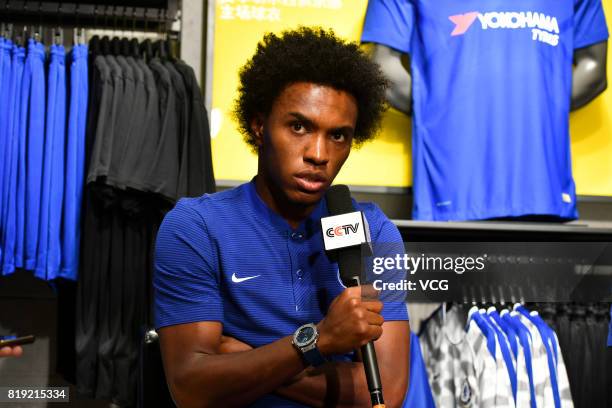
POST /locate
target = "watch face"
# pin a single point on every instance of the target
(305, 335)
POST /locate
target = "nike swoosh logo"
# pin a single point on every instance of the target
(236, 279)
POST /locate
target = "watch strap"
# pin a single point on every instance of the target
(314, 357)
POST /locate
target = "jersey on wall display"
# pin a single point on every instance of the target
(491, 100)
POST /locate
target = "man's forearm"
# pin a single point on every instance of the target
(336, 384)
(235, 379)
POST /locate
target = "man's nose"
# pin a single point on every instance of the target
(316, 150)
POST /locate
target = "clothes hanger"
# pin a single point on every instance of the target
(37, 32)
(160, 45)
(170, 49)
(105, 42)
(58, 32)
(133, 46)
(75, 29)
(7, 31)
(125, 42)
(115, 42)
(146, 47)
(21, 37)
(94, 42)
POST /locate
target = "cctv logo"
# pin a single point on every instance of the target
(342, 230)
(544, 28)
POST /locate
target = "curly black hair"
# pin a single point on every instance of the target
(311, 55)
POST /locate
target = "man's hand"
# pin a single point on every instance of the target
(15, 351)
(351, 322)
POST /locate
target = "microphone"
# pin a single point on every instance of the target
(344, 233)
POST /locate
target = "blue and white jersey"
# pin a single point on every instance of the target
(491, 99)
(504, 396)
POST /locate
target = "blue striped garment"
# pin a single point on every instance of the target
(228, 257)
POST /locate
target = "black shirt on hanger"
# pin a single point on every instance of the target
(162, 175)
(182, 114)
(138, 160)
(125, 121)
(201, 178)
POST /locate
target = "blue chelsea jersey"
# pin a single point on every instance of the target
(491, 99)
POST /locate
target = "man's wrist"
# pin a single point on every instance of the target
(322, 342)
(306, 340)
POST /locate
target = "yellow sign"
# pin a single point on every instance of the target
(240, 24)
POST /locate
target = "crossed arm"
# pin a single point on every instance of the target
(205, 368)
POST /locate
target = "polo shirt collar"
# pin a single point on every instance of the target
(308, 227)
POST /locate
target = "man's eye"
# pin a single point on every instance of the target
(338, 137)
(297, 127)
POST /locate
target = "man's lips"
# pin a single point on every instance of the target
(311, 182)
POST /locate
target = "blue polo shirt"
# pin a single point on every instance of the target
(228, 257)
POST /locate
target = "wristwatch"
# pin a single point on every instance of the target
(305, 340)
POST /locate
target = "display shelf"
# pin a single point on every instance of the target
(505, 231)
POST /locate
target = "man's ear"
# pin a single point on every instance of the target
(257, 127)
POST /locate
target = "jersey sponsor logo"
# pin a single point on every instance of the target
(236, 279)
(463, 22)
(544, 28)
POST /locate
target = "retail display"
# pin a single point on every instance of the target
(491, 87)
(148, 145)
(505, 358)
(42, 145)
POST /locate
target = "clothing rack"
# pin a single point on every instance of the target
(141, 15)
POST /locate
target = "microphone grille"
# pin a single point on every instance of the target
(338, 200)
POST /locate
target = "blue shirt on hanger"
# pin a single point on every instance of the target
(75, 163)
(6, 103)
(9, 216)
(35, 70)
(52, 192)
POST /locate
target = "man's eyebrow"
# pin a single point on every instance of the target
(344, 129)
(301, 118)
(349, 129)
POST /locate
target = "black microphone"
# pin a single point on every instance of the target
(348, 256)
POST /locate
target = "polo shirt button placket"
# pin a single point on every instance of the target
(297, 236)
(299, 273)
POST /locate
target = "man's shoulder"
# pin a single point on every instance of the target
(369, 208)
(372, 212)
(211, 206)
(381, 227)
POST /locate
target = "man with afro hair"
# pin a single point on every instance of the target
(249, 309)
